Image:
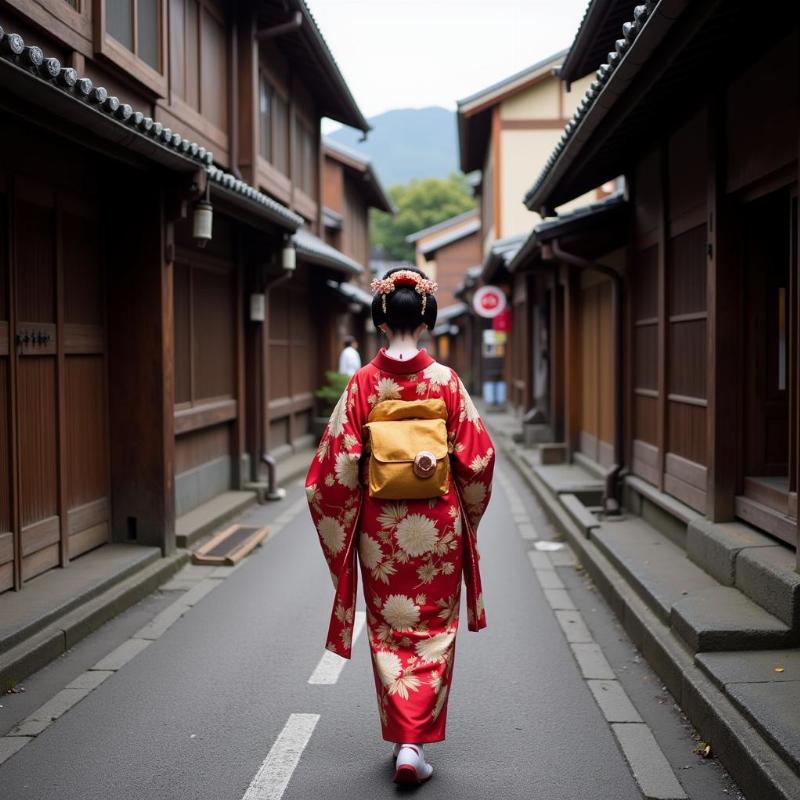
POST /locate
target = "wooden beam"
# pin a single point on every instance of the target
(496, 178)
(141, 372)
(571, 359)
(722, 331)
(663, 378)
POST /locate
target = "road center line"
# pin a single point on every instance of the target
(276, 770)
(331, 665)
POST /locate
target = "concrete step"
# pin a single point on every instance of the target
(579, 513)
(198, 523)
(702, 612)
(655, 566)
(57, 591)
(768, 698)
(40, 646)
(572, 479)
(722, 618)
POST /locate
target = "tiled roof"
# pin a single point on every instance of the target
(379, 198)
(630, 31)
(511, 81)
(452, 311)
(312, 249)
(551, 227)
(446, 315)
(344, 107)
(130, 127)
(352, 292)
(440, 226)
(596, 32)
(270, 208)
(500, 254)
(331, 219)
(449, 237)
(471, 277)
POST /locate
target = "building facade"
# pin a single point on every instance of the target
(162, 262)
(658, 356)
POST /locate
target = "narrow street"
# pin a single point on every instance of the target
(196, 713)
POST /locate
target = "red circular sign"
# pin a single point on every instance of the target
(489, 301)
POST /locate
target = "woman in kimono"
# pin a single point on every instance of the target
(413, 553)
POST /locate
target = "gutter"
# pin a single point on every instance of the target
(292, 25)
(552, 251)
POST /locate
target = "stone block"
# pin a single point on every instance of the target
(552, 453)
(614, 703)
(768, 576)
(757, 666)
(574, 627)
(714, 546)
(592, 662)
(772, 708)
(722, 618)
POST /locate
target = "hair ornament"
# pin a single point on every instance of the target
(403, 277)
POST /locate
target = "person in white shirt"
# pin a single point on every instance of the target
(349, 359)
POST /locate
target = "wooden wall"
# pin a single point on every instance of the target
(54, 439)
(519, 345)
(207, 331)
(292, 361)
(452, 263)
(668, 313)
(596, 346)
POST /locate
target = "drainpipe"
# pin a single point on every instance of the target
(552, 250)
(278, 30)
(273, 491)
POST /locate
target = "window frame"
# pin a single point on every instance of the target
(275, 93)
(110, 48)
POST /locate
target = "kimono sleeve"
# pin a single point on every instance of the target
(332, 484)
(472, 453)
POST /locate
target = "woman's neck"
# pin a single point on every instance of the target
(403, 347)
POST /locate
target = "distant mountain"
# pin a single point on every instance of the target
(408, 143)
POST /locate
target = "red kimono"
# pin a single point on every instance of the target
(412, 553)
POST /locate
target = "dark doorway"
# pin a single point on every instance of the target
(767, 255)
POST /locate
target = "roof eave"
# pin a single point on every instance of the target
(348, 112)
(585, 33)
(601, 98)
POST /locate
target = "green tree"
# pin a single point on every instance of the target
(419, 204)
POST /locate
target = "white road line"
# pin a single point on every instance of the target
(276, 771)
(202, 579)
(331, 665)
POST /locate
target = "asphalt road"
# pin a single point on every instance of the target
(195, 714)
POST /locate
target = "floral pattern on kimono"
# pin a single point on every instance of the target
(412, 553)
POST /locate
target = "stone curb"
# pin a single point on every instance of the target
(40, 649)
(757, 768)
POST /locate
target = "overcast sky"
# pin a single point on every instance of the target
(416, 53)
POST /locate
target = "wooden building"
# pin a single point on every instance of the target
(351, 188)
(446, 251)
(506, 131)
(660, 345)
(142, 374)
(711, 241)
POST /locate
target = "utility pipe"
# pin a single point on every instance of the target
(273, 492)
(553, 250)
(293, 24)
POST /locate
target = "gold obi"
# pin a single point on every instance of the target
(409, 458)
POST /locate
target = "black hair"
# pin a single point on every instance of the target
(404, 307)
(349, 341)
